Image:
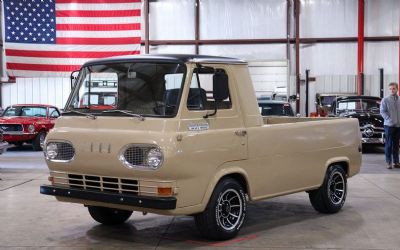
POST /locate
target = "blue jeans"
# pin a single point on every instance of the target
(392, 137)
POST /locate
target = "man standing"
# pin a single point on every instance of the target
(390, 111)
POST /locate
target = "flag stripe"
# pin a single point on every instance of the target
(104, 13)
(95, 20)
(99, 27)
(96, 7)
(67, 54)
(31, 73)
(54, 47)
(98, 1)
(42, 67)
(98, 41)
(47, 60)
(100, 34)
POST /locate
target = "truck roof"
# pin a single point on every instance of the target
(173, 58)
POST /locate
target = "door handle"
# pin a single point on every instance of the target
(241, 132)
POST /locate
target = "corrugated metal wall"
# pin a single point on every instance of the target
(53, 91)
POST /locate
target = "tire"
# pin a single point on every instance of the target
(225, 212)
(38, 142)
(109, 216)
(331, 196)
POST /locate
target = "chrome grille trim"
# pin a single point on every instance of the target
(66, 151)
(122, 185)
(135, 155)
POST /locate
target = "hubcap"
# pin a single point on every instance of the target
(336, 188)
(229, 209)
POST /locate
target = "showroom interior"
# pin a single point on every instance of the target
(200, 124)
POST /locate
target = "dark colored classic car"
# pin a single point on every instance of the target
(275, 108)
(366, 110)
(28, 123)
(3, 145)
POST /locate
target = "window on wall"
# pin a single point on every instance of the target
(201, 91)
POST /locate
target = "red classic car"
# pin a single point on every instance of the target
(28, 123)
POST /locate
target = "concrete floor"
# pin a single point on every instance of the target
(370, 218)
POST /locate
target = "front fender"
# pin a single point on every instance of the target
(226, 169)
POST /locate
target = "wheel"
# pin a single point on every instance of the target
(38, 142)
(225, 212)
(330, 197)
(109, 216)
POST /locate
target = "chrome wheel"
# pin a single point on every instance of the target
(229, 209)
(42, 137)
(336, 188)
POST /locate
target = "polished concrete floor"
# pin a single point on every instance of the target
(370, 218)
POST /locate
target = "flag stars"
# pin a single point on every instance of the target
(30, 21)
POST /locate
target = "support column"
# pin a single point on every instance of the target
(146, 28)
(297, 45)
(197, 27)
(360, 55)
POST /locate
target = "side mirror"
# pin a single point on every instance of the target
(220, 86)
(73, 77)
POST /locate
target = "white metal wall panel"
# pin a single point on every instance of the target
(236, 19)
(333, 18)
(54, 91)
(382, 17)
(267, 75)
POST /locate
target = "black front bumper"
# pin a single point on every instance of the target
(164, 203)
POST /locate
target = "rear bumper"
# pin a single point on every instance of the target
(164, 203)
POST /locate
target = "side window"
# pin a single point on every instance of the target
(201, 92)
(53, 113)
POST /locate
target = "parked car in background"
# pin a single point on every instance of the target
(275, 108)
(28, 123)
(366, 110)
(3, 145)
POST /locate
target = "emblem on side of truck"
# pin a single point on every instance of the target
(198, 126)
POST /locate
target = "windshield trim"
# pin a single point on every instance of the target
(79, 83)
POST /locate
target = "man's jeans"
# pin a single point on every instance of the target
(392, 137)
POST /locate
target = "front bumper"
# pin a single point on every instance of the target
(164, 203)
(3, 147)
(19, 137)
(373, 140)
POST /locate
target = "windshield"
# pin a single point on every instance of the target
(358, 106)
(279, 109)
(30, 111)
(140, 88)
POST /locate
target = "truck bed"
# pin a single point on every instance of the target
(280, 119)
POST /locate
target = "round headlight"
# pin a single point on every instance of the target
(31, 128)
(51, 150)
(155, 158)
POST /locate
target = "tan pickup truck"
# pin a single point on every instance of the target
(184, 136)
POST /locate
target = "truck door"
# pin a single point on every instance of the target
(209, 142)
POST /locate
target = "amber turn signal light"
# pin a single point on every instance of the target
(51, 179)
(164, 191)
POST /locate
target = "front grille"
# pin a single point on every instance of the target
(136, 156)
(65, 151)
(110, 184)
(11, 128)
(101, 183)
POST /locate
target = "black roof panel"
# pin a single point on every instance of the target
(175, 58)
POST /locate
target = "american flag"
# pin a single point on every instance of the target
(54, 37)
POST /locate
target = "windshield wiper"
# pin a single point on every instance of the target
(90, 116)
(127, 112)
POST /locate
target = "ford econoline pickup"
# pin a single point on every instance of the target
(185, 137)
